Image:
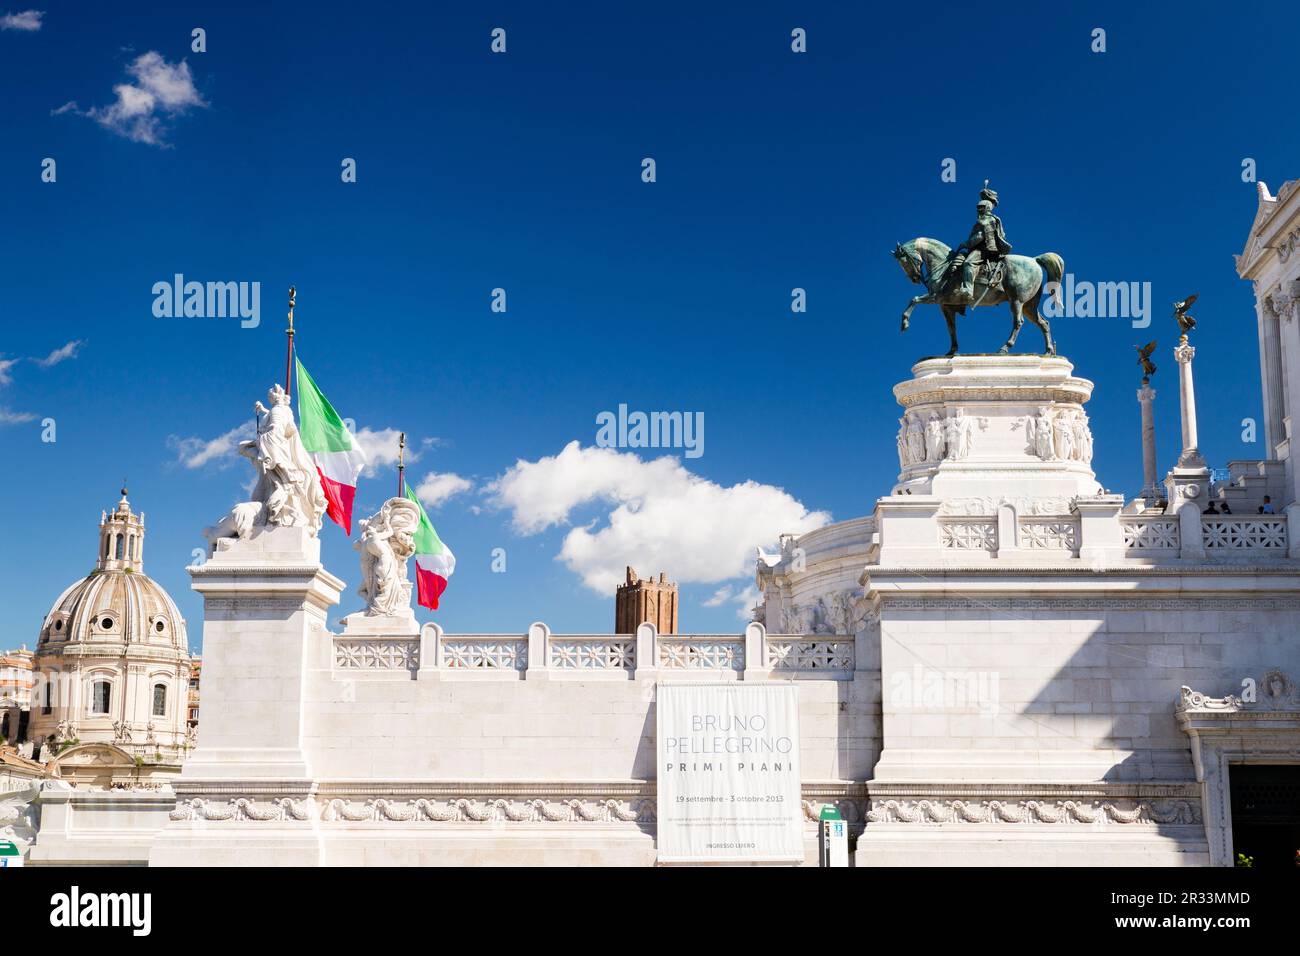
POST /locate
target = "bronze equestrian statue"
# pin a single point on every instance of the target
(953, 279)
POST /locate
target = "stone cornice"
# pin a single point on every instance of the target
(936, 601)
(1077, 568)
(1095, 790)
(219, 569)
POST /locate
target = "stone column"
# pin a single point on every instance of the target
(1270, 360)
(1150, 490)
(1281, 305)
(245, 795)
(1191, 456)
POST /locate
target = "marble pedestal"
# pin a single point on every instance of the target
(265, 604)
(995, 426)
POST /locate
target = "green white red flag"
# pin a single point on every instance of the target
(338, 457)
(434, 562)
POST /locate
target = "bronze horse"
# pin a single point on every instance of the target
(929, 262)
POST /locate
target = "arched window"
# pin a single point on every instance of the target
(160, 700)
(48, 706)
(101, 696)
(119, 547)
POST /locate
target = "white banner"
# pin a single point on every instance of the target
(728, 775)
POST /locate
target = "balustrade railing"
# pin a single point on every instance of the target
(1262, 534)
(607, 656)
(1049, 534)
(969, 534)
(483, 652)
(592, 652)
(724, 652)
(1151, 533)
(814, 652)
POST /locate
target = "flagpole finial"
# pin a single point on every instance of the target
(401, 464)
(288, 362)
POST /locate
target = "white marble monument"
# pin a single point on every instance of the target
(1001, 663)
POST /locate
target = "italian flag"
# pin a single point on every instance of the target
(434, 561)
(337, 455)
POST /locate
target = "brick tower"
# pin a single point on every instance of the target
(639, 601)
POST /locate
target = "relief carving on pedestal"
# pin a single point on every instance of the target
(840, 612)
(1060, 435)
(925, 439)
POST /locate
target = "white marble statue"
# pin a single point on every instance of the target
(933, 438)
(288, 490)
(385, 544)
(287, 481)
(1063, 433)
(1039, 432)
(915, 442)
(1082, 438)
(952, 434)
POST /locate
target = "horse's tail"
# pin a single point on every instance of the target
(1054, 266)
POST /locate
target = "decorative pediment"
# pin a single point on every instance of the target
(95, 755)
(1269, 218)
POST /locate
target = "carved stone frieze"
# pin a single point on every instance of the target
(987, 505)
(1059, 812)
(931, 438)
(839, 612)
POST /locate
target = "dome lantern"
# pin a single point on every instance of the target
(121, 538)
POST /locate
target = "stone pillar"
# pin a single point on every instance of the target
(430, 651)
(1101, 539)
(1270, 361)
(1191, 456)
(756, 652)
(265, 601)
(1150, 489)
(539, 648)
(264, 633)
(647, 653)
(1280, 305)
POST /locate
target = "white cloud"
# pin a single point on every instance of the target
(197, 452)
(663, 516)
(435, 488)
(28, 21)
(8, 417)
(60, 354)
(380, 448)
(744, 599)
(161, 90)
(720, 597)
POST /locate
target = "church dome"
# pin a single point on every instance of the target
(117, 603)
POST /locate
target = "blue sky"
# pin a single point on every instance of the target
(522, 171)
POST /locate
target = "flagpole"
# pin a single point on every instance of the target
(401, 465)
(288, 362)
